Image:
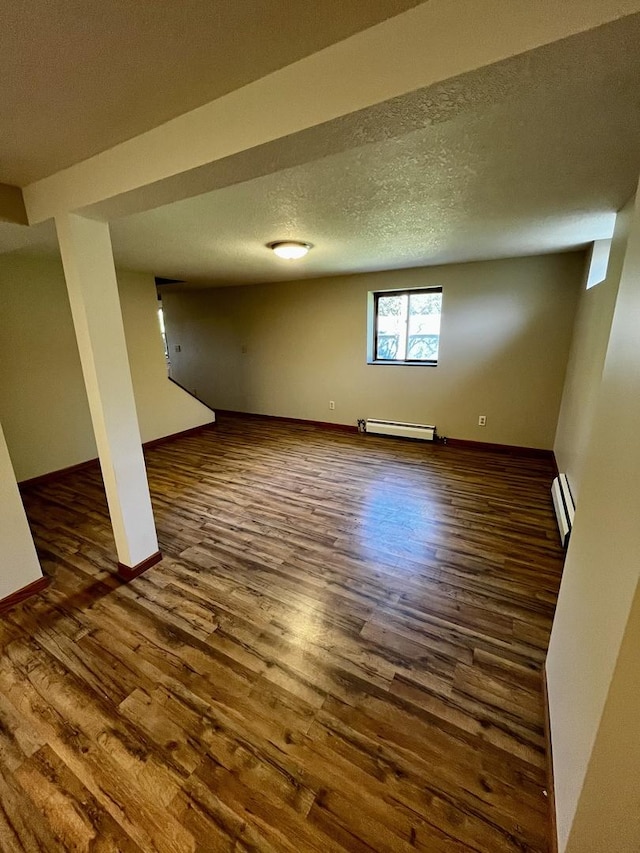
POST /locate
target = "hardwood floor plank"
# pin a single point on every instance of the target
(22, 829)
(75, 816)
(133, 807)
(340, 651)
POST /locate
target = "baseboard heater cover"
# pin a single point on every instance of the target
(423, 432)
(564, 507)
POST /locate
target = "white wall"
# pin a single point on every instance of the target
(592, 664)
(287, 349)
(43, 405)
(19, 566)
(584, 370)
(162, 407)
(211, 362)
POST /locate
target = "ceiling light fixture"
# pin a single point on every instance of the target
(290, 250)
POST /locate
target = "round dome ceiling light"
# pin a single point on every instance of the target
(290, 250)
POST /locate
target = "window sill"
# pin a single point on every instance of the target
(404, 363)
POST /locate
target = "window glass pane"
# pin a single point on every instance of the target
(388, 346)
(423, 347)
(424, 326)
(392, 327)
(425, 304)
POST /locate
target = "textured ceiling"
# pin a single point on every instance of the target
(530, 155)
(77, 77)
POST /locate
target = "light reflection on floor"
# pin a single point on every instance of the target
(396, 520)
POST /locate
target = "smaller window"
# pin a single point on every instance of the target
(406, 326)
(163, 332)
(598, 262)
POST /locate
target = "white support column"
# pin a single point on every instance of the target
(85, 246)
(20, 574)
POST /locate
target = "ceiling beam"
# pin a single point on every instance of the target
(433, 42)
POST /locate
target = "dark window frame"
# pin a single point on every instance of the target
(433, 362)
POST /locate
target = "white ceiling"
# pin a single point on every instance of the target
(78, 77)
(531, 155)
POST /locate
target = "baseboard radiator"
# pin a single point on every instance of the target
(423, 432)
(564, 507)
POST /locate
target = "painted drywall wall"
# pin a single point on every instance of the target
(586, 360)
(592, 677)
(205, 328)
(43, 404)
(288, 349)
(162, 407)
(608, 813)
(19, 566)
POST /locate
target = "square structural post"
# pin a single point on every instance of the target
(87, 258)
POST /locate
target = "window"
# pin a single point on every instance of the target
(163, 332)
(406, 326)
(599, 262)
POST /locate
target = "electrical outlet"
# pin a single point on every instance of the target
(332, 404)
(482, 420)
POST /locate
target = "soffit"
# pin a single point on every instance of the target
(527, 156)
(77, 78)
(530, 155)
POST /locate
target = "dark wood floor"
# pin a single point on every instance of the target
(341, 650)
